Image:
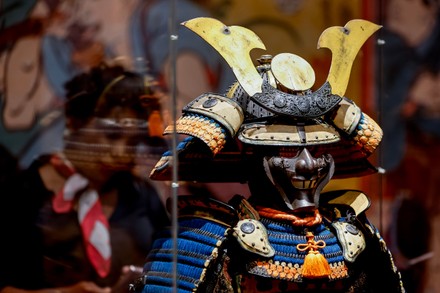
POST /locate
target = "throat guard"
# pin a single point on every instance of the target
(287, 263)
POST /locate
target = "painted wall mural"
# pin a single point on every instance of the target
(44, 43)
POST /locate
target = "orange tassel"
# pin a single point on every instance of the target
(315, 265)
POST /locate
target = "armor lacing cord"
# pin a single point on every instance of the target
(315, 264)
(295, 220)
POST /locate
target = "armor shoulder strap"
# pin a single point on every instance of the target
(206, 207)
(358, 201)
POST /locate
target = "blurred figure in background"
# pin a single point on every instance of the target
(410, 115)
(81, 221)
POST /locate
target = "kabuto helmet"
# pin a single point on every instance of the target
(272, 110)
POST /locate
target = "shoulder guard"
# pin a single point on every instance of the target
(221, 109)
(347, 116)
(211, 118)
(355, 200)
(202, 231)
(252, 236)
(355, 203)
(208, 208)
(351, 239)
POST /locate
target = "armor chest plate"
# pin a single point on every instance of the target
(288, 261)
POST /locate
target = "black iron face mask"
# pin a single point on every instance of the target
(300, 179)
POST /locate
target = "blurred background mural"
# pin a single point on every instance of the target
(395, 79)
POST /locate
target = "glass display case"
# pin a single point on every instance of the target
(46, 45)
